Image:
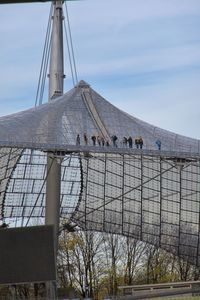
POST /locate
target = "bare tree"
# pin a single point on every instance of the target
(80, 262)
(133, 251)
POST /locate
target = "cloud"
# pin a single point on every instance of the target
(116, 11)
(143, 56)
(157, 60)
(172, 104)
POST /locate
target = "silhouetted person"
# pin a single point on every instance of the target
(78, 140)
(141, 142)
(107, 143)
(102, 141)
(114, 140)
(137, 142)
(99, 140)
(93, 140)
(158, 143)
(130, 142)
(125, 140)
(85, 138)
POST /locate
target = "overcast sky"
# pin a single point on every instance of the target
(141, 55)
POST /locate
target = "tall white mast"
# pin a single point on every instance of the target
(56, 69)
(56, 77)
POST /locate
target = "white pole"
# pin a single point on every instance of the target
(56, 69)
(56, 77)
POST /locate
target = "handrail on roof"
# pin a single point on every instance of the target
(28, 1)
(170, 154)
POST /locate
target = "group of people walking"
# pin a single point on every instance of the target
(96, 140)
(128, 142)
(101, 142)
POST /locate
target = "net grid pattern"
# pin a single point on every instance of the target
(149, 194)
(83, 111)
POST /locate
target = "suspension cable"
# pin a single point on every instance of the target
(47, 54)
(45, 73)
(69, 53)
(71, 44)
(44, 63)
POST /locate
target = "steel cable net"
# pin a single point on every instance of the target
(108, 185)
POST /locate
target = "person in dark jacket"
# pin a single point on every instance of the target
(78, 140)
(114, 140)
(93, 138)
(140, 142)
(99, 140)
(137, 142)
(102, 141)
(130, 142)
(85, 138)
(107, 143)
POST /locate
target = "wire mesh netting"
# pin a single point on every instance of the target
(109, 182)
(57, 124)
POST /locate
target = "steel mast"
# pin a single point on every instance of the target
(56, 78)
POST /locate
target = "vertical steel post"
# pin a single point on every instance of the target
(56, 75)
(53, 183)
(56, 68)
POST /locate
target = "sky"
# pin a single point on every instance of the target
(141, 55)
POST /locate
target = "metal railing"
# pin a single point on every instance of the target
(159, 290)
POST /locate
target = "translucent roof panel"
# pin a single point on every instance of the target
(83, 111)
(24, 199)
(109, 182)
(154, 199)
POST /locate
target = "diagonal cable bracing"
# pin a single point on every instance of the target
(71, 44)
(69, 53)
(44, 63)
(121, 195)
